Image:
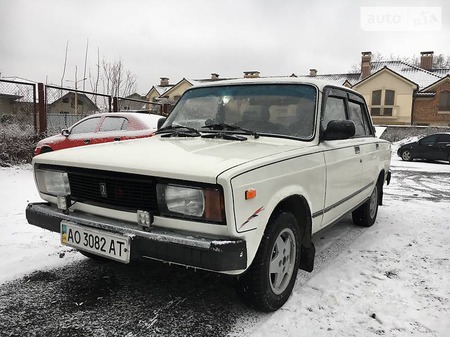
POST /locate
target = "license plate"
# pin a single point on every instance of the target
(109, 245)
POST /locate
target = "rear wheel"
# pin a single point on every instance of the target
(406, 155)
(366, 214)
(268, 283)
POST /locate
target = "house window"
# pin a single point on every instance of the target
(382, 102)
(444, 101)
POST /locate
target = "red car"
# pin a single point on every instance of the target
(101, 128)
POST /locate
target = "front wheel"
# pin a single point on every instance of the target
(366, 214)
(406, 155)
(269, 281)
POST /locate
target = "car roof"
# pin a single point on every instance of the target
(147, 118)
(320, 84)
(438, 133)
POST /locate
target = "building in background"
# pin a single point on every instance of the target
(399, 93)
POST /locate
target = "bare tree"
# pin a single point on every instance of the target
(117, 81)
(95, 80)
(65, 63)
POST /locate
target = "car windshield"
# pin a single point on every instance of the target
(268, 109)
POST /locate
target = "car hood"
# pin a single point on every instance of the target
(51, 139)
(196, 158)
(408, 145)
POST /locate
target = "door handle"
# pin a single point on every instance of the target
(87, 141)
(357, 150)
(117, 139)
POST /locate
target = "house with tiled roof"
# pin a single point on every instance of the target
(399, 93)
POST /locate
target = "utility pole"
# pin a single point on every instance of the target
(76, 90)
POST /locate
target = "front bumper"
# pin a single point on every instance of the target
(188, 249)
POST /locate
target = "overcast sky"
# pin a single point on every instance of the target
(194, 38)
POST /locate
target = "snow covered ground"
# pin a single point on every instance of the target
(25, 248)
(393, 280)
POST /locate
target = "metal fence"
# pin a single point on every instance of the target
(132, 104)
(47, 109)
(17, 106)
(66, 106)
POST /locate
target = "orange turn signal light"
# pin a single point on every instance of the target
(250, 194)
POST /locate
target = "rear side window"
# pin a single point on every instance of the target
(114, 124)
(444, 139)
(357, 115)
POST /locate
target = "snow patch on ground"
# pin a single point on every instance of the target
(25, 248)
(394, 280)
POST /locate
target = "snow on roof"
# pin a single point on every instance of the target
(162, 89)
(338, 79)
(441, 72)
(421, 77)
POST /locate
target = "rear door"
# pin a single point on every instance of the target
(113, 128)
(427, 149)
(368, 143)
(443, 147)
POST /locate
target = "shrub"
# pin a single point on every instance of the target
(17, 143)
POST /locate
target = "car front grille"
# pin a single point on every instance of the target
(110, 189)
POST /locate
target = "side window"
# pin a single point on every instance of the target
(357, 114)
(114, 124)
(428, 140)
(334, 110)
(444, 139)
(87, 126)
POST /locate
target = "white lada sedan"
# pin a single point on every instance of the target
(236, 181)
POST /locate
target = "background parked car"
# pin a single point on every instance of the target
(433, 147)
(101, 128)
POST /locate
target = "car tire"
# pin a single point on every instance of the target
(406, 155)
(269, 281)
(366, 214)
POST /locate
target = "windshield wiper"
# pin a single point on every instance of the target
(225, 126)
(223, 135)
(178, 131)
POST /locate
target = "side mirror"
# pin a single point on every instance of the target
(339, 129)
(65, 132)
(161, 122)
